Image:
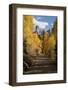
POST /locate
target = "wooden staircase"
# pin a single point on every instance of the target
(42, 64)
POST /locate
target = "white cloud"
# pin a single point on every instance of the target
(41, 24)
(38, 18)
(52, 24)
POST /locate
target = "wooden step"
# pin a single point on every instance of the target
(42, 69)
(44, 61)
(42, 64)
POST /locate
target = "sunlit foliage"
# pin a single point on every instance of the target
(33, 43)
(38, 45)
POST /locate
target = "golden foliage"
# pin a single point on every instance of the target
(51, 41)
(27, 26)
(49, 44)
(46, 35)
(33, 43)
(45, 42)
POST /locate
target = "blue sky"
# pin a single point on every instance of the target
(49, 19)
